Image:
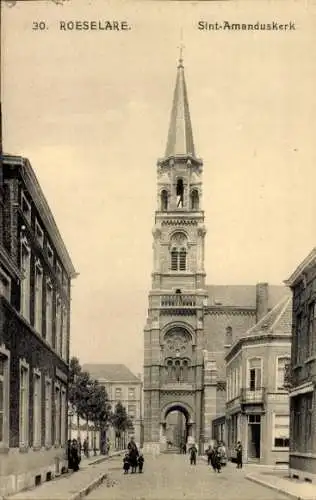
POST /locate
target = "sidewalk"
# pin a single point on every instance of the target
(73, 485)
(281, 482)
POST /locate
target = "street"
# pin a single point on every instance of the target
(172, 477)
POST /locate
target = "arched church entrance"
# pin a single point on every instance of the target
(176, 428)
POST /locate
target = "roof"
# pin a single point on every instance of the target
(303, 266)
(243, 295)
(110, 372)
(180, 136)
(277, 321)
(33, 186)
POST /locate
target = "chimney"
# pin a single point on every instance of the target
(262, 299)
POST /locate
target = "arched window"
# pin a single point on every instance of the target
(229, 336)
(169, 369)
(177, 370)
(185, 370)
(178, 252)
(180, 193)
(194, 199)
(164, 200)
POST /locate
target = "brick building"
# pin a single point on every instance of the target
(36, 273)
(189, 322)
(302, 372)
(257, 402)
(121, 386)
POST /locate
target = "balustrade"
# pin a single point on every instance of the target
(178, 300)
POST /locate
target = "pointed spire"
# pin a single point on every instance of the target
(180, 137)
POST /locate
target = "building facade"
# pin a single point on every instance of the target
(257, 401)
(121, 386)
(302, 372)
(34, 332)
(188, 322)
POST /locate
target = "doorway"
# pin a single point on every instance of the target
(254, 437)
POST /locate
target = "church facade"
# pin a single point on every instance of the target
(189, 323)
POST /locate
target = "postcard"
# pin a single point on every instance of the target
(157, 198)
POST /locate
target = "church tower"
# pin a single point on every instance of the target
(174, 338)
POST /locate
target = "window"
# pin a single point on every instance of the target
(180, 193)
(59, 273)
(37, 409)
(118, 393)
(63, 417)
(194, 199)
(229, 335)
(281, 431)
(308, 421)
(281, 367)
(302, 417)
(38, 298)
(65, 283)
(49, 312)
(131, 411)
(39, 234)
(311, 329)
(58, 332)
(254, 419)
(5, 285)
(26, 207)
(298, 351)
(64, 338)
(25, 282)
(48, 412)
(57, 415)
(164, 200)
(50, 254)
(4, 397)
(24, 404)
(131, 393)
(178, 252)
(255, 374)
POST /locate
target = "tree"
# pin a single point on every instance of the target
(100, 409)
(88, 398)
(79, 383)
(121, 423)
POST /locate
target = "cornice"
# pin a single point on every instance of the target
(309, 261)
(213, 310)
(186, 158)
(34, 188)
(256, 339)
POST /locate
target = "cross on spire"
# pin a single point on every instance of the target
(181, 47)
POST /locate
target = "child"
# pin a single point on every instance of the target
(140, 462)
(193, 452)
(126, 464)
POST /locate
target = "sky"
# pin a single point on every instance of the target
(90, 109)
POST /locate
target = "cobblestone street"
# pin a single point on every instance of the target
(172, 477)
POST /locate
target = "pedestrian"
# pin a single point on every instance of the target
(86, 447)
(217, 459)
(193, 452)
(208, 453)
(141, 461)
(184, 449)
(133, 454)
(213, 459)
(126, 463)
(69, 455)
(74, 455)
(222, 453)
(239, 455)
